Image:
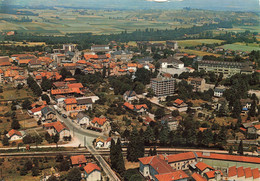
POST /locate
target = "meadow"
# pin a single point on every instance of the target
(242, 46)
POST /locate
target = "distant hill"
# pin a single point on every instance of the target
(232, 5)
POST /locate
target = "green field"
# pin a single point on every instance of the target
(242, 47)
(61, 21)
(189, 43)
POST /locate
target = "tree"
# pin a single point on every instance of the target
(65, 73)
(52, 178)
(175, 113)
(163, 136)
(240, 150)
(148, 135)
(104, 72)
(35, 171)
(15, 124)
(159, 113)
(154, 151)
(27, 104)
(143, 75)
(46, 84)
(113, 154)
(56, 139)
(135, 147)
(5, 141)
(74, 175)
(120, 166)
(230, 151)
(46, 98)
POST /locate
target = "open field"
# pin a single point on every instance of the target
(189, 43)
(242, 46)
(15, 94)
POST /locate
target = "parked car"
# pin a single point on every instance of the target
(64, 115)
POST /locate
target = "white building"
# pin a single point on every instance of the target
(14, 135)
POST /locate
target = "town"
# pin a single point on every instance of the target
(176, 109)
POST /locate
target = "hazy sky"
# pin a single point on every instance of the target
(249, 5)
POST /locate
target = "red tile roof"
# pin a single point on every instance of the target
(78, 159)
(129, 106)
(37, 109)
(178, 101)
(248, 172)
(202, 166)
(70, 101)
(65, 91)
(255, 173)
(232, 171)
(240, 172)
(58, 126)
(160, 166)
(181, 156)
(211, 174)
(257, 126)
(90, 167)
(69, 79)
(75, 85)
(14, 132)
(99, 121)
(198, 177)
(176, 175)
(229, 157)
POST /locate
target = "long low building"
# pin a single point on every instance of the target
(153, 167)
(226, 68)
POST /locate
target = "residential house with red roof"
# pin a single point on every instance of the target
(59, 128)
(139, 109)
(92, 172)
(214, 175)
(179, 103)
(35, 63)
(198, 177)
(78, 160)
(77, 104)
(100, 124)
(36, 111)
(202, 168)
(14, 135)
(19, 80)
(173, 176)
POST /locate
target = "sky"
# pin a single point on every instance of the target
(238, 5)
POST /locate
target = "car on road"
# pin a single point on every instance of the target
(64, 115)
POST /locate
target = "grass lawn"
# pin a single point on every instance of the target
(242, 46)
(199, 53)
(189, 43)
(14, 94)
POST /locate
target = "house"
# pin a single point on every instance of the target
(198, 177)
(78, 160)
(82, 119)
(35, 64)
(246, 104)
(254, 130)
(100, 48)
(214, 175)
(182, 161)
(102, 143)
(100, 124)
(48, 114)
(77, 104)
(154, 165)
(14, 135)
(171, 62)
(92, 172)
(129, 96)
(219, 91)
(19, 80)
(179, 103)
(202, 168)
(36, 111)
(139, 109)
(173, 122)
(198, 84)
(57, 128)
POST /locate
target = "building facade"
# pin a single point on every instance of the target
(162, 86)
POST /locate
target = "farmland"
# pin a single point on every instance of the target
(59, 21)
(189, 43)
(242, 46)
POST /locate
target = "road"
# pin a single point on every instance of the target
(86, 137)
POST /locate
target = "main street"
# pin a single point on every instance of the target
(86, 138)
